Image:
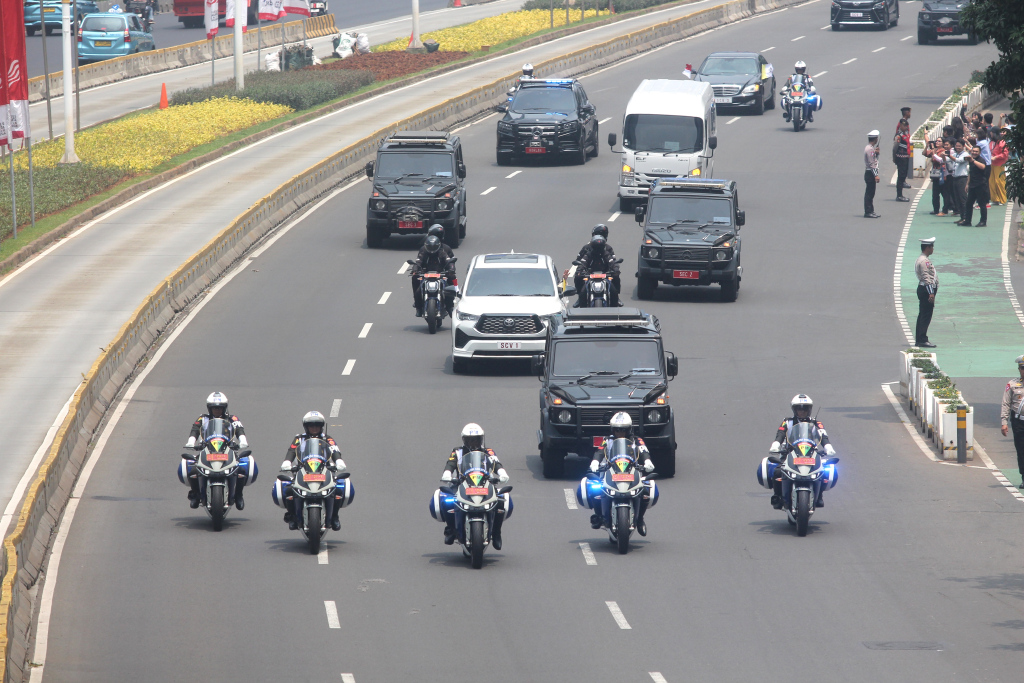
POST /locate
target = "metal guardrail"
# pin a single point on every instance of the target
(25, 549)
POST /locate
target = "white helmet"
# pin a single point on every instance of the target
(473, 436)
(528, 70)
(313, 417)
(800, 67)
(217, 400)
(802, 401)
(621, 421)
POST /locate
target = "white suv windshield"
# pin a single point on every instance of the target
(510, 282)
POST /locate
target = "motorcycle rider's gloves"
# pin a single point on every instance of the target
(502, 475)
(286, 466)
(446, 476)
(648, 466)
(775, 447)
(339, 465)
(191, 443)
(829, 451)
(594, 465)
(242, 441)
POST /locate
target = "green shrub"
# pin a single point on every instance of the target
(303, 89)
(620, 5)
(55, 190)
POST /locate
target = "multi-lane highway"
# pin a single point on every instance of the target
(911, 572)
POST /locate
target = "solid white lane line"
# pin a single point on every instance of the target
(879, 49)
(588, 554)
(321, 557)
(656, 675)
(336, 407)
(820, 73)
(617, 614)
(403, 269)
(513, 174)
(907, 38)
(348, 367)
(797, 38)
(332, 614)
(897, 273)
(1000, 477)
(570, 499)
(384, 298)
(611, 219)
(365, 331)
(732, 120)
(604, 121)
(911, 429)
(768, 49)
(825, 27)
(850, 61)
(488, 190)
(348, 678)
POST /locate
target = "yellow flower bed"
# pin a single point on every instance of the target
(492, 30)
(143, 142)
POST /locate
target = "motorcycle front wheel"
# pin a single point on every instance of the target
(803, 511)
(622, 529)
(431, 315)
(217, 507)
(313, 530)
(476, 543)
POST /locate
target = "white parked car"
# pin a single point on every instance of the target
(504, 307)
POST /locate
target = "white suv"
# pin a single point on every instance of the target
(504, 307)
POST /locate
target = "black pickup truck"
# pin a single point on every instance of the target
(597, 362)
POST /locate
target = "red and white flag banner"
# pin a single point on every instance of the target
(296, 7)
(229, 15)
(210, 17)
(13, 69)
(270, 10)
(5, 124)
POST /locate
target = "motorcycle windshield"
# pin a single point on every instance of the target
(313, 448)
(619, 450)
(804, 438)
(217, 434)
(474, 467)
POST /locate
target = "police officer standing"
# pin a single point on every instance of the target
(1013, 406)
(927, 286)
(870, 174)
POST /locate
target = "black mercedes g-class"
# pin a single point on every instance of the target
(691, 236)
(597, 362)
(545, 117)
(417, 182)
(939, 18)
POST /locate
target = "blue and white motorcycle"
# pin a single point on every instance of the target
(220, 469)
(312, 490)
(617, 492)
(805, 474)
(799, 102)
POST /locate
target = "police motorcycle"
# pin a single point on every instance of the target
(596, 287)
(473, 499)
(805, 474)
(317, 487)
(799, 101)
(221, 469)
(438, 296)
(616, 492)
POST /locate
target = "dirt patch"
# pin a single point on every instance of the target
(388, 65)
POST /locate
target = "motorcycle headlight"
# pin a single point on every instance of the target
(466, 316)
(651, 252)
(654, 416)
(380, 205)
(721, 254)
(564, 416)
(752, 88)
(443, 205)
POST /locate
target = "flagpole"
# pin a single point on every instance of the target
(78, 89)
(14, 203)
(69, 107)
(46, 68)
(240, 11)
(31, 185)
(259, 42)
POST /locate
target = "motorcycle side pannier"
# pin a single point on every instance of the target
(344, 493)
(441, 505)
(280, 492)
(765, 471)
(185, 469)
(587, 493)
(247, 467)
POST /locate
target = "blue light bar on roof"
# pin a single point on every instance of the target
(552, 81)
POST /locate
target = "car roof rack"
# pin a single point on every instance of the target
(418, 137)
(602, 317)
(688, 184)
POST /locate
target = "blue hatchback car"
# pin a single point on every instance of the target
(51, 14)
(112, 34)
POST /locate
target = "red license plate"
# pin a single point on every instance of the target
(217, 457)
(535, 150)
(803, 461)
(409, 225)
(598, 441)
(314, 477)
(944, 30)
(623, 476)
(476, 491)
(686, 274)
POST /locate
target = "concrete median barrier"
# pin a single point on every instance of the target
(25, 548)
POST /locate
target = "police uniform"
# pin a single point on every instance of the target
(1013, 406)
(927, 285)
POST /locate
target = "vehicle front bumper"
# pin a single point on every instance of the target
(870, 16)
(387, 221)
(662, 271)
(740, 101)
(558, 143)
(941, 25)
(467, 342)
(579, 439)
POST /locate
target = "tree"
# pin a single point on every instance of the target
(1002, 22)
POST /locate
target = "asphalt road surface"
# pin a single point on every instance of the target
(168, 31)
(911, 571)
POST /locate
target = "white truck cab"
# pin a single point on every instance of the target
(668, 131)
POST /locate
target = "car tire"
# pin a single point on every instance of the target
(759, 107)
(664, 460)
(504, 159)
(771, 101)
(49, 30)
(625, 205)
(972, 38)
(451, 237)
(460, 366)
(597, 147)
(374, 239)
(580, 157)
(730, 289)
(645, 286)
(462, 228)
(887, 22)
(837, 27)
(30, 32)
(552, 462)
(923, 38)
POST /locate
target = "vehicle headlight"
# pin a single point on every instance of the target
(654, 416)
(752, 88)
(925, 15)
(651, 252)
(380, 204)
(466, 316)
(443, 205)
(504, 126)
(626, 168)
(879, 5)
(564, 416)
(721, 254)
(695, 172)
(568, 125)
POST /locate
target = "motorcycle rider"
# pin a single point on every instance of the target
(802, 405)
(622, 428)
(313, 426)
(216, 408)
(438, 231)
(431, 259)
(473, 440)
(597, 255)
(800, 69)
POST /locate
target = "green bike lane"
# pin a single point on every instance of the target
(977, 325)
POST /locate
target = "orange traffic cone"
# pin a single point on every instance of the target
(458, 3)
(410, 40)
(163, 96)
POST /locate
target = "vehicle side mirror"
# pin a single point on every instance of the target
(612, 139)
(284, 477)
(344, 475)
(593, 476)
(672, 365)
(451, 289)
(503, 107)
(187, 456)
(453, 259)
(831, 461)
(589, 109)
(741, 218)
(639, 213)
(713, 142)
(245, 454)
(410, 262)
(369, 170)
(774, 460)
(537, 364)
(504, 489)
(568, 291)
(462, 170)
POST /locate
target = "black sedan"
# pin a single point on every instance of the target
(739, 79)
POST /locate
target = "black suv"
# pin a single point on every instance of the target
(939, 18)
(417, 182)
(691, 236)
(739, 79)
(878, 13)
(597, 362)
(548, 116)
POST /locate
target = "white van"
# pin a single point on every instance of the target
(668, 131)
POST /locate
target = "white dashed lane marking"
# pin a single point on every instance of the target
(384, 297)
(732, 120)
(767, 49)
(820, 73)
(488, 190)
(336, 407)
(513, 174)
(348, 678)
(351, 363)
(611, 219)
(321, 557)
(332, 614)
(403, 269)
(879, 49)
(797, 38)
(617, 614)
(850, 61)
(365, 331)
(604, 121)
(570, 500)
(588, 554)
(907, 38)
(825, 27)
(656, 675)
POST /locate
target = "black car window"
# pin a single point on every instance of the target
(109, 24)
(730, 66)
(426, 164)
(700, 210)
(558, 100)
(578, 358)
(663, 133)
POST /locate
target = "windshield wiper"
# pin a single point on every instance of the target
(406, 175)
(639, 371)
(595, 373)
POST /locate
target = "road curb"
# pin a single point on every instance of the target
(26, 547)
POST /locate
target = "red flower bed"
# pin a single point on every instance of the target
(388, 65)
